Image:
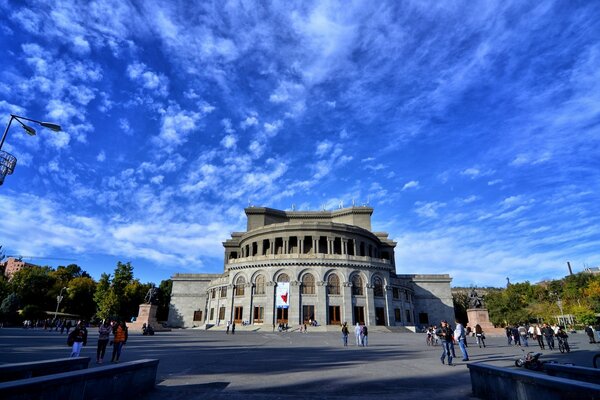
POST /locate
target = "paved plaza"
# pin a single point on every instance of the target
(196, 364)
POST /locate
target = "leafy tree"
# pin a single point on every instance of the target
(133, 296)
(9, 308)
(592, 294)
(461, 304)
(34, 286)
(164, 299)
(104, 298)
(33, 312)
(80, 298)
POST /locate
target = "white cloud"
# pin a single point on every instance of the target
(101, 157)
(428, 210)
(175, 128)
(249, 121)
(410, 185)
(80, 45)
(229, 141)
(150, 80)
(271, 128)
(323, 148)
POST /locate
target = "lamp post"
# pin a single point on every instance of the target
(59, 298)
(8, 162)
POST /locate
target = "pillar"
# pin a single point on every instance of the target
(347, 306)
(370, 300)
(270, 313)
(321, 305)
(294, 310)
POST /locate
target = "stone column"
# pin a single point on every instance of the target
(370, 300)
(247, 302)
(259, 248)
(347, 307)
(344, 247)
(294, 310)
(271, 246)
(300, 244)
(286, 243)
(230, 302)
(389, 309)
(315, 245)
(329, 245)
(270, 313)
(321, 304)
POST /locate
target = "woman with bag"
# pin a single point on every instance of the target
(479, 335)
(103, 334)
(120, 336)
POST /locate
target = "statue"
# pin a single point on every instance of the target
(475, 301)
(151, 296)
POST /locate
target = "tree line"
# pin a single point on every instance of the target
(32, 293)
(577, 294)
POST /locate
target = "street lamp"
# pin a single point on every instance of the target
(8, 162)
(59, 298)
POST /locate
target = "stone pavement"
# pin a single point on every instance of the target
(197, 364)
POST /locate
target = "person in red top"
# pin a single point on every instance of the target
(120, 336)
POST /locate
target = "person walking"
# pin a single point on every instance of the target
(460, 336)
(365, 336)
(548, 333)
(589, 330)
(523, 335)
(120, 336)
(233, 328)
(345, 333)
(479, 335)
(357, 332)
(228, 326)
(77, 339)
(508, 330)
(537, 335)
(103, 335)
(445, 335)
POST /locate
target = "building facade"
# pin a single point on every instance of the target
(13, 265)
(292, 267)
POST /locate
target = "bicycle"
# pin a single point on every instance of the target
(563, 345)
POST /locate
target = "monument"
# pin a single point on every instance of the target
(478, 314)
(147, 314)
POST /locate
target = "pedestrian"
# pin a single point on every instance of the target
(515, 335)
(305, 327)
(69, 326)
(365, 336)
(452, 341)
(357, 330)
(120, 336)
(523, 335)
(508, 330)
(537, 335)
(233, 328)
(590, 332)
(548, 333)
(345, 334)
(228, 326)
(77, 339)
(445, 335)
(479, 334)
(460, 335)
(103, 335)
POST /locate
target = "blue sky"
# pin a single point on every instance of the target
(471, 127)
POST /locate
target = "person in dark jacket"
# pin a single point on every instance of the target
(104, 331)
(77, 339)
(548, 333)
(590, 332)
(445, 334)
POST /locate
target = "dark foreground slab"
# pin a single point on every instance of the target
(11, 372)
(115, 381)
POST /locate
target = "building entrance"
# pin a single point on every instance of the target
(282, 316)
(308, 314)
(238, 313)
(379, 316)
(359, 315)
(334, 315)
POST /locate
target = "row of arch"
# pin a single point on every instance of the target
(308, 283)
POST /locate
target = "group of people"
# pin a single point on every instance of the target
(448, 336)
(361, 332)
(49, 324)
(519, 335)
(107, 329)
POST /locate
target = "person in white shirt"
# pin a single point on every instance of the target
(460, 335)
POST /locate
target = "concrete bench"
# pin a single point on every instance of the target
(489, 382)
(125, 380)
(585, 374)
(11, 372)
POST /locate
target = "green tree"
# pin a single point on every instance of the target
(461, 304)
(164, 299)
(80, 297)
(9, 308)
(33, 312)
(34, 286)
(105, 299)
(133, 296)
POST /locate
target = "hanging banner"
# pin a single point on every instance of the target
(282, 295)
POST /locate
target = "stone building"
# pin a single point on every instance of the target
(13, 265)
(296, 266)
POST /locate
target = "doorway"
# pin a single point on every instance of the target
(359, 315)
(238, 314)
(282, 316)
(334, 315)
(379, 316)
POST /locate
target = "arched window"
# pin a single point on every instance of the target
(357, 285)
(260, 285)
(308, 284)
(240, 283)
(283, 278)
(377, 287)
(333, 284)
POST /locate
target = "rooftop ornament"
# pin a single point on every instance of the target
(8, 162)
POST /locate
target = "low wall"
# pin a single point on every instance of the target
(116, 381)
(584, 374)
(11, 372)
(489, 382)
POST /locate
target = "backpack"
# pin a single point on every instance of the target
(71, 338)
(365, 331)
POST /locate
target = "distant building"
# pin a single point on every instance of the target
(12, 265)
(291, 267)
(592, 270)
